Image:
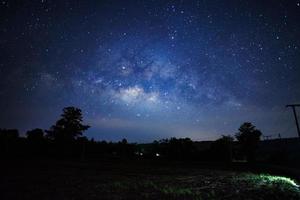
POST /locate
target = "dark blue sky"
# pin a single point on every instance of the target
(148, 70)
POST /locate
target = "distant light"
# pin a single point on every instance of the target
(141, 154)
(157, 154)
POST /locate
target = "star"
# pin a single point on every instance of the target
(149, 64)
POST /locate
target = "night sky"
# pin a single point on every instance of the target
(149, 70)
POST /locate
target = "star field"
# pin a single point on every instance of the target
(148, 70)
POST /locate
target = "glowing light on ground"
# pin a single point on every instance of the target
(270, 180)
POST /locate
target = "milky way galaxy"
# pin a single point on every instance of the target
(150, 69)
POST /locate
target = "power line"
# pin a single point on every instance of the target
(293, 106)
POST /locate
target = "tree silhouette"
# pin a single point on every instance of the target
(248, 137)
(69, 127)
(181, 148)
(9, 140)
(36, 141)
(35, 134)
(222, 148)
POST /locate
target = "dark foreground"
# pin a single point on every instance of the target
(136, 180)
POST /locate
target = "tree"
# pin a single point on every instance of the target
(9, 140)
(36, 142)
(69, 127)
(248, 137)
(222, 148)
(181, 148)
(9, 134)
(35, 134)
(125, 149)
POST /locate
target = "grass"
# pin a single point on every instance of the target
(267, 179)
(270, 183)
(233, 186)
(167, 190)
(139, 181)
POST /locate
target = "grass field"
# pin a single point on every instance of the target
(137, 180)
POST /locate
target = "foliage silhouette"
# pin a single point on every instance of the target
(180, 149)
(35, 134)
(9, 141)
(65, 140)
(69, 127)
(36, 142)
(9, 134)
(222, 148)
(248, 137)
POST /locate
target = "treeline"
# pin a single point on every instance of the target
(65, 140)
(37, 144)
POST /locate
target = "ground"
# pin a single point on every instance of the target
(136, 180)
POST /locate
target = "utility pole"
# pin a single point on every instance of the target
(295, 115)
